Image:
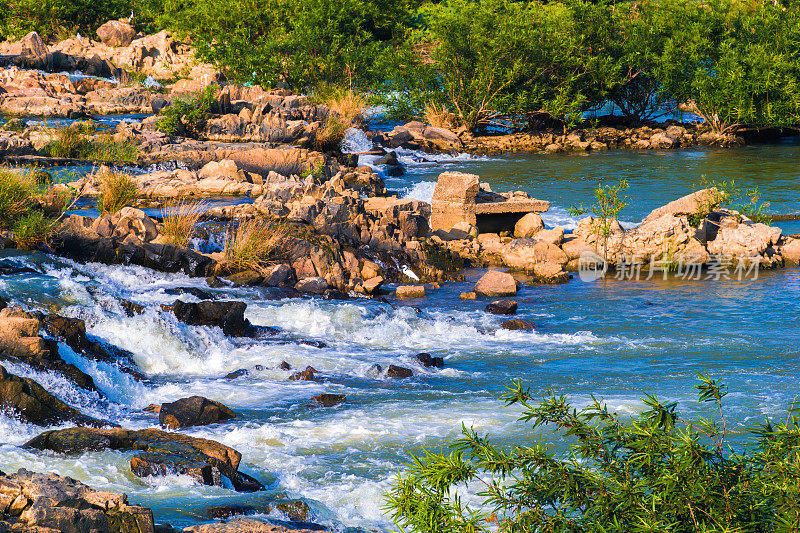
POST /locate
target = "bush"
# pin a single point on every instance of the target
(654, 472)
(117, 190)
(344, 108)
(186, 115)
(17, 190)
(180, 221)
(32, 230)
(75, 142)
(49, 17)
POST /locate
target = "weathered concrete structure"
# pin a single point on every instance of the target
(460, 197)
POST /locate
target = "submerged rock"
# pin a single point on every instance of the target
(517, 324)
(328, 400)
(193, 411)
(305, 375)
(227, 315)
(30, 501)
(26, 399)
(161, 453)
(427, 360)
(398, 372)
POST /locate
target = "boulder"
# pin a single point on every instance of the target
(246, 278)
(50, 503)
(791, 252)
(502, 307)
(303, 375)
(372, 284)
(526, 254)
(32, 45)
(31, 403)
(398, 372)
(277, 275)
(496, 283)
(428, 361)
(702, 202)
(410, 291)
(528, 226)
(517, 324)
(159, 453)
(742, 239)
(228, 315)
(328, 400)
(242, 525)
(312, 285)
(116, 33)
(193, 411)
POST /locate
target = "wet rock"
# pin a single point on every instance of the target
(285, 366)
(194, 291)
(227, 315)
(328, 400)
(131, 308)
(31, 403)
(333, 294)
(116, 33)
(248, 278)
(314, 285)
(193, 411)
(398, 372)
(49, 502)
(160, 453)
(215, 283)
(246, 525)
(428, 361)
(517, 324)
(502, 307)
(152, 408)
(304, 375)
(374, 371)
(410, 291)
(237, 373)
(496, 283)
(278, 275)
(227, 511)
(372, 284)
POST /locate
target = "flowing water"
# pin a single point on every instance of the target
(615, 339)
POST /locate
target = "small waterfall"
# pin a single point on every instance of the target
(355, 141)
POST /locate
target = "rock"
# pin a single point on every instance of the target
(398, 372)
(528, 226)
(454, 200)
(313, 285)
(215, 283)
(242, 525)
(50, 503)
(237, 373)
(410, 291)
(285, 366)
(702, 202)
(304, 375)
(131, 308)
(517, 324)
(496, 283)
(160, 453)
(463, 230)
(278, 275)
(328, 400)
(553, 236)
(502, 307)
(372, 284)
(370, 270)
(525, 254)
(116, 33)
(428, 361)
(468, 296)
(26, 399)
(152, 408)
(247, 278)
(228, 315)
(32, 45)
(791, 252)
(227, 511)
(745, 239)
(193, 411)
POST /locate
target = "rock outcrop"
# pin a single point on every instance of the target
(193, 411)
(496, 283)
(50, 503)
(227, 315)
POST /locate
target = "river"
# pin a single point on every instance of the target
(615, 339)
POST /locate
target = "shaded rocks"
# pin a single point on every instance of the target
(328, 400)
(193, 411)
(410, 291)
(160, 453)
(30, 501)
(429, 361)
(227, 315)
(502, 307)
(116, 33)
(31, 403)
(242, 525)
(398, 372)
(496, 283)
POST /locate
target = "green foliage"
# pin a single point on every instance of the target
(117, 190)
(76, 142)
(50, 17)
(610, 202)
(653, 472)
(32, 230)
(16, 192)
(726, 194)
(186, 115)
(300, 43)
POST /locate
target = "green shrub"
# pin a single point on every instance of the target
(76, 142)
(32, 230)
(17, 189)
(117, 190)
(186, 115)
(48, 17)
(653, 472)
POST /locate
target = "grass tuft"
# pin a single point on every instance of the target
(32, 230)
(180, 221)
(345, 107)
(438, 116)
(76, 142)
(256, 244)
(117, 190)
(17, 189)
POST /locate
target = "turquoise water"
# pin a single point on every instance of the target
(615, 339)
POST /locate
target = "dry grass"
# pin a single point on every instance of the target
(256, 244)
(180, 221)
(344, 109)
(286, 162)
(438, 116)
(117, 190)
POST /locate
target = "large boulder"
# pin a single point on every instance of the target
(701, 203)
(32, 45)
(742, 239)
(496, 283)
(31, 403)
(543, 259)
(160, 453)
(791, 251)
(116, 33)
(528, 226)
(227, 315)
(193, 411)
(49, 502)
